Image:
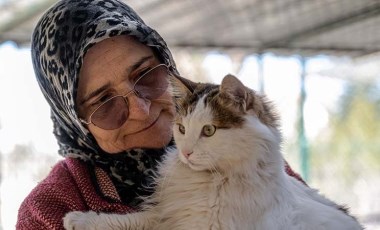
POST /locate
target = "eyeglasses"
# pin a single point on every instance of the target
(113, 113)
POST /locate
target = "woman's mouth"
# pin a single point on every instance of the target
(147, 127)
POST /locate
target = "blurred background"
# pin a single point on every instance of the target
(318, 60)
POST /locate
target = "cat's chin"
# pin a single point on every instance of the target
(195, 167)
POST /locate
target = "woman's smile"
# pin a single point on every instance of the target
(151, 124)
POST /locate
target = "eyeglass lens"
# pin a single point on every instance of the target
(114, 113)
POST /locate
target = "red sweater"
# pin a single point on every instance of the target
(69, 187)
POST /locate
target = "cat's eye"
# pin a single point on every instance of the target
(208, 130)
(181, 128)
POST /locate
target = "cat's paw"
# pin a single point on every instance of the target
(80, 220)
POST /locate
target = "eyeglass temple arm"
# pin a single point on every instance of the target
(84, 121)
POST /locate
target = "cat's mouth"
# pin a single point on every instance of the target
(194, 163)
(195, 166)
(188, 162)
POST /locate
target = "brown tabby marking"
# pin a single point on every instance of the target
(228, 106)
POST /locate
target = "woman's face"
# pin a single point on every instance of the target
(110, 68)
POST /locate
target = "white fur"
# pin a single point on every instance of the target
(233, 180)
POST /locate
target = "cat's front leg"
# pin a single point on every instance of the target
(103, 221)
(81, 221)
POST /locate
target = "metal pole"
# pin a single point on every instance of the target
(260, 64)
(302, 140)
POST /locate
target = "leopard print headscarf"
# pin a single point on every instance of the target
(59, 42)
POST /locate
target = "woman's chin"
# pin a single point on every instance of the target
(157, 136)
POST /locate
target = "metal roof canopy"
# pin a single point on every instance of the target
(306, 27)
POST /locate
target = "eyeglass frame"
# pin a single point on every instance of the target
(125, 96)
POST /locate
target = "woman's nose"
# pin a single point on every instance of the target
(139, 108)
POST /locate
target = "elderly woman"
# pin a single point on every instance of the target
(104, 74)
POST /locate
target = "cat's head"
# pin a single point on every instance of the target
(221, 126)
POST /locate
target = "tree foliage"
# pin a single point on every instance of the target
(350, 146)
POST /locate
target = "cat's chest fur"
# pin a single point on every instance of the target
(201, 199)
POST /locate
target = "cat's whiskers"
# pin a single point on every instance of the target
(213, 169)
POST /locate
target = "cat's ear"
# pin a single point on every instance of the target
(232, 86)
(182, 86)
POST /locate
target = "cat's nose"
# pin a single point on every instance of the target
(187, 154)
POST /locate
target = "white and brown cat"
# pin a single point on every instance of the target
(227, 172)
